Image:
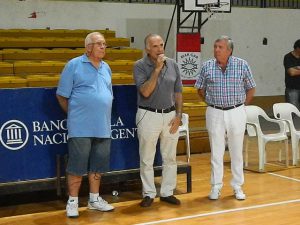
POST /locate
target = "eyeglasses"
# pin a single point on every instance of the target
(100, 44)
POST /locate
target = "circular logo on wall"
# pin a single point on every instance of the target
(14, 135)
(189, 64)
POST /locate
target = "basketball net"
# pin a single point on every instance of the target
(210, 9)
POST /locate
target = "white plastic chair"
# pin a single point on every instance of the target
(284, 112)
(254, 129)
(184, 132)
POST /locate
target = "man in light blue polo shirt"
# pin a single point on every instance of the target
(85, 94)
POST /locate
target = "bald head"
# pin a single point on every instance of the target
(148, 38)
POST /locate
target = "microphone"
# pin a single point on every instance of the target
(165, 61)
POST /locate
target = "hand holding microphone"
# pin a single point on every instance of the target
(162, 60)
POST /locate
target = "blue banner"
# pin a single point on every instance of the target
(33, 130)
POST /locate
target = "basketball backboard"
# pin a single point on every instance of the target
(207, 2)
(207, 6)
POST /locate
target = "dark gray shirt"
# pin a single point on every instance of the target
(169, 83)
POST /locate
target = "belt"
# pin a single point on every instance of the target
(226, 108)
(172, 108)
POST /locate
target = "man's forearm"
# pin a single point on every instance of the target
(249, 96)
(178, 104)
(148, 87)
(294, 71)
(63, 102)
(201, 93)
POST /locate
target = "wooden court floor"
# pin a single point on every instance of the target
(273, 198)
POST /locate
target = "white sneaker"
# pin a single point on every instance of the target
(72, 209)
(214, 193)
(239, 194)
(100, 205)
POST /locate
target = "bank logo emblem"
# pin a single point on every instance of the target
(14, 135)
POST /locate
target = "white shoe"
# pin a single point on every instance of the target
(72, 209)
(239, 194)
(100, 205)
(214, 193)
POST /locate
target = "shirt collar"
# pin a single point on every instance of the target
(148, 61)
(228, 62)
(85, 59)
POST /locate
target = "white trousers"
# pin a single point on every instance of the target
(230, 125)
(151, 127)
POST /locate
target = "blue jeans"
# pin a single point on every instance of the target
(293, 96)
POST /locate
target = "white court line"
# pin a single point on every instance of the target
(220, 212)
(285, 177)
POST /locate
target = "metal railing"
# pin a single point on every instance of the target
(288, 4)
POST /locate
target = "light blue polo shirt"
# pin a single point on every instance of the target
(89, 91)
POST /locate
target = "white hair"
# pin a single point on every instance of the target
(89, 38)
(228, 40)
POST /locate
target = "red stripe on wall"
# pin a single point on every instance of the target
(188, 42)
(188, 82)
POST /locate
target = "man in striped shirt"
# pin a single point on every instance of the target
(226, 84)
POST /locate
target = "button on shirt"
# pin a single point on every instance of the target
(227, 88)
(89, 91)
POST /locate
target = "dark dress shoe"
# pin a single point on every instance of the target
(171, 199)
(146, 202)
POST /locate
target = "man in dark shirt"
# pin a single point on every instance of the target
(291, 64)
